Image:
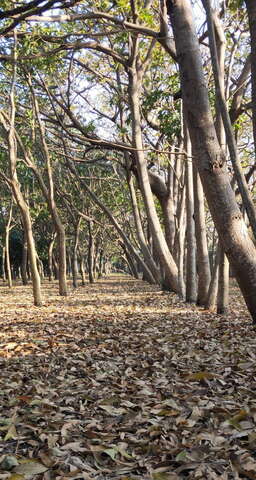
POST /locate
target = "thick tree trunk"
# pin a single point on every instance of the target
(218, 73)
(210, 160)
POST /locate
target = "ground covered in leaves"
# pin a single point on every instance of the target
(122, 381)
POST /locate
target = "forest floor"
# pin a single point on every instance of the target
(122, 381)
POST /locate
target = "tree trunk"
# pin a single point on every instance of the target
(210, 160)
(3, 264)
(24, 260)
(50, 257)
(7, 249)
(140, 234)
(75, 255)
(251, 10)
(191, 276)
(223, 284)
(106, 210)
(218, 73)
(91, 248)
(202, 255)
(165, 258)
(213, 287)
(31, 244)
(82, 270)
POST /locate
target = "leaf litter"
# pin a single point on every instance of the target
(122, 381)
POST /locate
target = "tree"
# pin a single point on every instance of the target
(210, 160)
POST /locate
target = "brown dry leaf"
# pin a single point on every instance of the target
(137, 384)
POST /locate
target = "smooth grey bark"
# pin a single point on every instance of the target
(210, 160)
(231, 143)
(82, 270)
(7, 248)
(202, 254)
(91, 253)
(49, 194)
(213, 287)
(13, 182)
(50, 257)
(165, 197)
(223, 284)
(191, 275)
(140, 233)
(135, 74)
(75, 255)
(24, 260)
(3, 264)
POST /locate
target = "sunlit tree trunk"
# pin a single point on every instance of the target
(210, 160)
(165, 258)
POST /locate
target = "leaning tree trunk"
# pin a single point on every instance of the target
(140, 234)
(210, 160)
(165, 257)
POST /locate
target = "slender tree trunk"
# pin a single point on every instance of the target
(223, 287)
(251, 10)
(140, 234)
(50, 257)
(91, 249)
(7, 249)
(213, 287)
(82, 270)
(49, 194)
(165, 258)
(3, 264)
(24, 260)
(191, 275)
(55, 267)
(202, 254)
(128, 244)
(210, 160)
(181, 240)
(31, 244)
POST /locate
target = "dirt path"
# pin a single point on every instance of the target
(121, 381)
